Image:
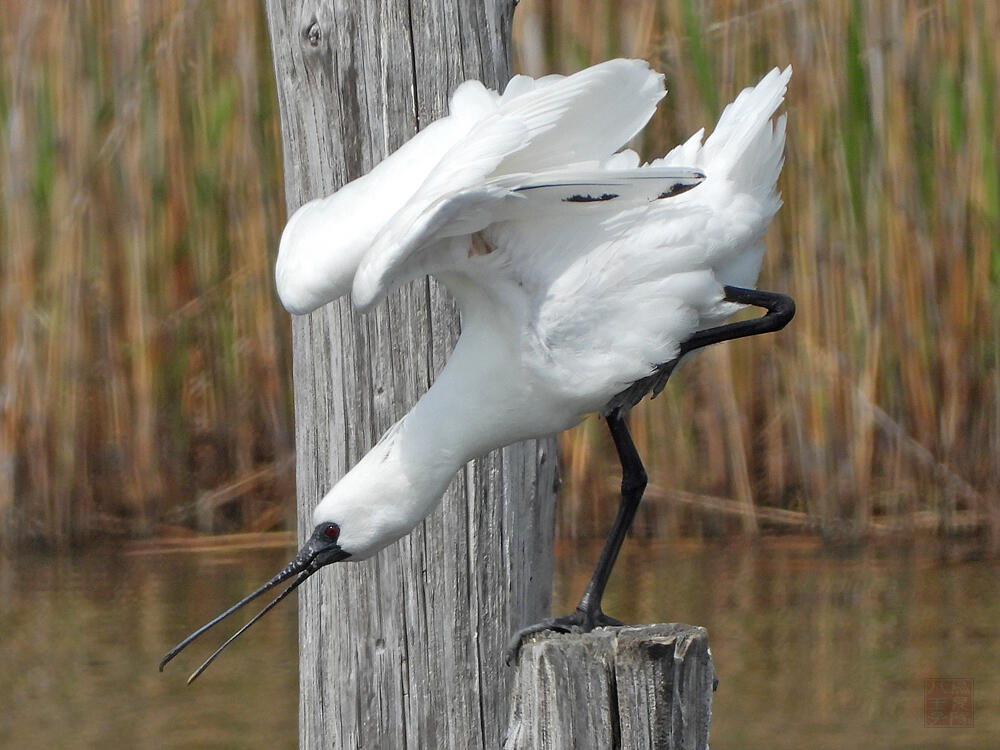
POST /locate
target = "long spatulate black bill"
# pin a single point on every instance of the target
(284, 575)
(294, 585)
(319, 550)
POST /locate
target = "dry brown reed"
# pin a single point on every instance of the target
(878, 407)
(145, 361)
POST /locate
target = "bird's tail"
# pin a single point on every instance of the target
(744, 147)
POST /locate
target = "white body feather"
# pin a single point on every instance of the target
(574, 275)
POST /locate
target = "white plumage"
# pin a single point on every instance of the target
(576, 270)
(564, 301)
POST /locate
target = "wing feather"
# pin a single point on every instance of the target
(400, 252)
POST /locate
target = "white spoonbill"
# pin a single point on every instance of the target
(581, 276)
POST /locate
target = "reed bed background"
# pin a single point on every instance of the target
(145, 384)
(145, 362)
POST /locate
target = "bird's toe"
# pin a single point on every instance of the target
(578, 621)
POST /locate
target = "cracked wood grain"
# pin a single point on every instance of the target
(637, 688)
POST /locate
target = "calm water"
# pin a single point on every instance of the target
(813, 650)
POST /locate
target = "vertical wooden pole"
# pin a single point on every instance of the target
(405, 650)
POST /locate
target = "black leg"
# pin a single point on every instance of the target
(780, 309)
(633, 485)
(588, 613)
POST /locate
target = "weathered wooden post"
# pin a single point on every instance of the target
(636, 688)
(405, 650)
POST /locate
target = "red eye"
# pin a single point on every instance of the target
(332, 531)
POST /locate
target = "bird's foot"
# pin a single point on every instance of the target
(578, 621)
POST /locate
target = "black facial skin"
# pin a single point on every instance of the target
(320, 549)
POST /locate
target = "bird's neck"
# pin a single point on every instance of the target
(477, 403)
(468, 411)
(483, 399)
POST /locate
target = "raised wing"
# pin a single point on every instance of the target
(534, 126)
(603, 268)
(411, 245)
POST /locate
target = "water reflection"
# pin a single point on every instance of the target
(820, 650)
(813, 650)
(80, 639)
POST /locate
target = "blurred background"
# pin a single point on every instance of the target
(824, 500)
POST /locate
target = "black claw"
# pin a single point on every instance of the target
(578, 621)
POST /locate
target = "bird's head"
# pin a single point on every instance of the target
(358, 516)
